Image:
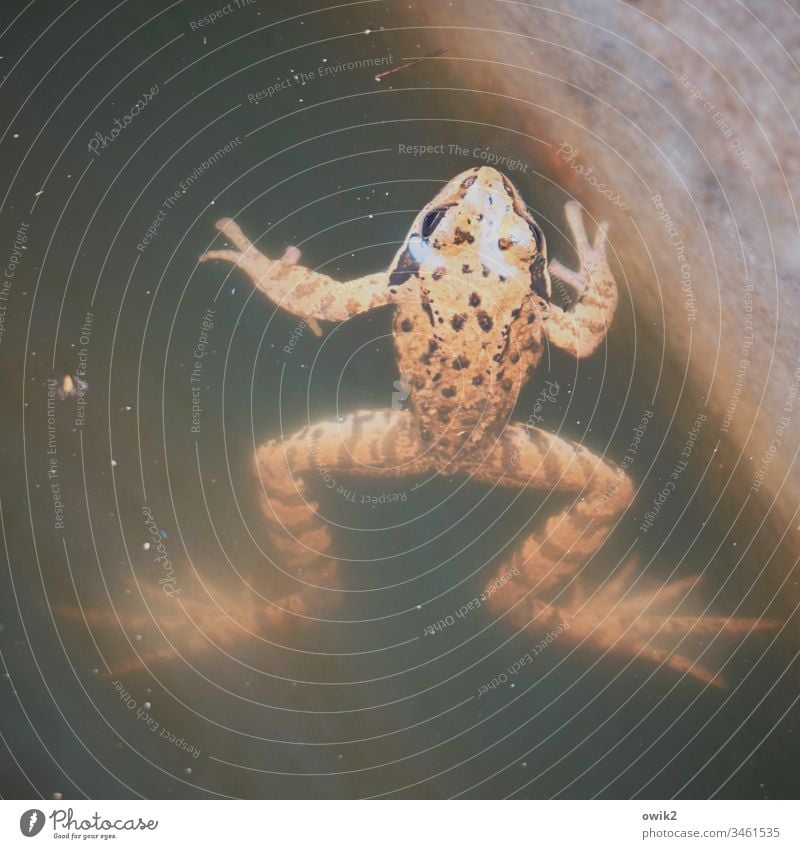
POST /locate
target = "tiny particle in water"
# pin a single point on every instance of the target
(147, 705)
(127, 407)
(187, 771)
(57, 796)
(163, 534)
(146, 546)
(339, 757)
(113, 462)
(138, 637)
(94, 671)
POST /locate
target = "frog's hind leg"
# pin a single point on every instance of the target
(540, 585)
(367, 443)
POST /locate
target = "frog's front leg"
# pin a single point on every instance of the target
(579, 331)
(540, 585)
(366, 443)
(300, 290)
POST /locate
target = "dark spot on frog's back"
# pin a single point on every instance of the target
(460, 363)
(457, 321)
(485, 321)
(465, 269)
(406, 325)
(469, 181)
(477, 380)
(474, 300)
(462, 236)
(504, 243)
(448, 391)
(439, 273)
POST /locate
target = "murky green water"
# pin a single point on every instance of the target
(369, 707)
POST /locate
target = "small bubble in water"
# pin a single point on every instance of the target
(187, 771)
(147, 705)
(339, 757)
(57, 796)
(146, 546)
(113, 462)
(94, 671)
(138, 637)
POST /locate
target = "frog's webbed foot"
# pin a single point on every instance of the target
(366, 443)
(540, 586)
(162, 623)
(639, 618)
(310, 294)
(580, 328)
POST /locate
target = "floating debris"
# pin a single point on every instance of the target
(69, 385)
(439, 52)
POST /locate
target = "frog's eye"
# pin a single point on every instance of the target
(431, 222)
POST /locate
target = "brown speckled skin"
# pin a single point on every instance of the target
(467, 333)
(471, 289)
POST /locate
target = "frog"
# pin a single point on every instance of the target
(472, 293)
(474, 312)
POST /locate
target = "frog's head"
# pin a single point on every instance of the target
(478, 218)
